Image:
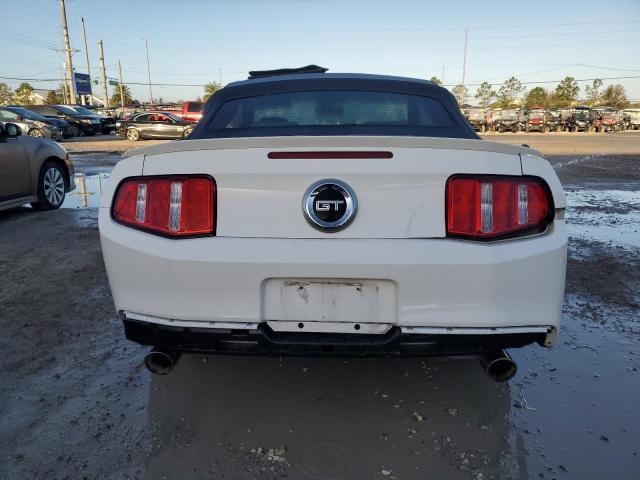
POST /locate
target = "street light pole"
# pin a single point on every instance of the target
(464, 62)
(146, 45)
(86, 54)
(121, 87)
(67, 50)
(103, 75)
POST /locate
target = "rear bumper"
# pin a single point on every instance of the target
(435, 283)
(264, 341)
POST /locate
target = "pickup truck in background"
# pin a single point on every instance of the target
(191, 111)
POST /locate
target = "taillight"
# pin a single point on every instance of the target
(175, 206)
(491, 207)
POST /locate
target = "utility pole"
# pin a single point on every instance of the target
(67, 50)
(146, 45)
(121, 87)
(464, 62)
(86, 55)
(103, 75)
(63, 85)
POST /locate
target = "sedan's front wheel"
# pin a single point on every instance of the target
(75, 130)
(133, 135)
(50, 187)
(187, 132)
(36, 132)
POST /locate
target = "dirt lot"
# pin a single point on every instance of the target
(76, 403)
(560, 143)
(624, 143)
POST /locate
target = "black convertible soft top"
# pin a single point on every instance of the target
(239, 96)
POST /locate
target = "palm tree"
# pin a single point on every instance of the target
(209, 89)
(115, 98)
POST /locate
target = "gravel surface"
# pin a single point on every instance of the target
(76, 403)
(561, 143)
(622, 143)
(105, 143)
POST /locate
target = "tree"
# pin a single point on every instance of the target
(485, 94)
(5, 94)
(209, 89)
(509, 92)
(566, 92)
(461, 93)
(615, 96)
(115, 98)
(435, 80)
(537, 96)
(23, 94)
(592, 92)
(53, 98)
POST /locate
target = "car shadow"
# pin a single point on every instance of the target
(219, 417)
(16, 213)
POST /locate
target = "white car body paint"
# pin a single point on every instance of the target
(396, 249)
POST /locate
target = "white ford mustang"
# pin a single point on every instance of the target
(335, 214)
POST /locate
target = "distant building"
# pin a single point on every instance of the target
(39, 96)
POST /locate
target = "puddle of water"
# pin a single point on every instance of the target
(607, 216)
(605, 198)
(88, 191)
(585, 158)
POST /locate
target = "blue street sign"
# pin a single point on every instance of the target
(83, 83)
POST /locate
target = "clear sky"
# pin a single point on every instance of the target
(196, 41)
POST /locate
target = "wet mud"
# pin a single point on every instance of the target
(75, 401)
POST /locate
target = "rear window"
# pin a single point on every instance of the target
(331, 109)
(194, 107)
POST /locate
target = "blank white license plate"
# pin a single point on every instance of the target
(322, 300)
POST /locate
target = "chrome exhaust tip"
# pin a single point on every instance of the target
(160, 361)
(499, 366)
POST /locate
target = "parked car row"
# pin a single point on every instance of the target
(57, 122)
(539, 119)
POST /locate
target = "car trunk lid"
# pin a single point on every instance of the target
(399, 183)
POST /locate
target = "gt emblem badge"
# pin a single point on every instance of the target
(329, 205)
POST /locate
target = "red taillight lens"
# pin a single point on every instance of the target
(489, 207)
(175, 206)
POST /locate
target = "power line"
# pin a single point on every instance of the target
(608, 68)
(429, 28)
(408, 68)
(31, 41)
(553, 81)
(297, 38)
(202, 84)
(398, 49)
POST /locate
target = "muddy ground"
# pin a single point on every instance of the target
(554, 143)
(76, 403)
